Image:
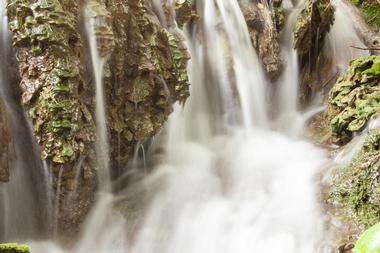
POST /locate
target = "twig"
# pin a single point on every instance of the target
(366, 48)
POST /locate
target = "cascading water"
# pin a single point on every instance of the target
(288, 91)
(343, 38)
(25, 209)
(227, 182)
(98, 62)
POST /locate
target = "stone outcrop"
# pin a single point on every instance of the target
(311, 27)
(354, 98)
(59, 102)
(144, 75)
(4, 146)
(264, 25)
(147, 75)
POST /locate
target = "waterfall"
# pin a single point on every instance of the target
(343, 37)
(25, 207)
(98, 63)
(231, 178)
(288, 91)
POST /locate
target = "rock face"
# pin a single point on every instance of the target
(45, 34)
(354, 98)
(311, 27)
(356, 188)
(144, 75)
(264, 25)
(4, 146)
(147, 75)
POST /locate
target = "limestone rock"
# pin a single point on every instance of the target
(354, 98)
(264, 25)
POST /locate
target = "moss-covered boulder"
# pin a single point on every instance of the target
(354, 98)
(13, 248)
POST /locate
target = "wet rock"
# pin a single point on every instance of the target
(310, 29)
(48, 46)
(264, 25)
(311, 26)
(354, 98)
(355, 189)
(147, 75)
(102, 22)
(5, 154)
(184, 12)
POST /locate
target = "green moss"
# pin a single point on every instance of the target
(47, 39)
(370, 10)
(13, 248)
(180, 59)
(356, 187)
(354, 98)
(369, 241)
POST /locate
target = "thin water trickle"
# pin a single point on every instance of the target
(102, 142)
(24, 201)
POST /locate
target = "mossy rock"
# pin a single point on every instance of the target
(312, 24)
(369, 241)
(370, 10)
(354, 98)
(13, 248)
(355, 190)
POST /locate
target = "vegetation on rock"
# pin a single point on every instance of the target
(354, 98)
(13, 248)
(310, 29)
(356, 187)
(370, 10)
